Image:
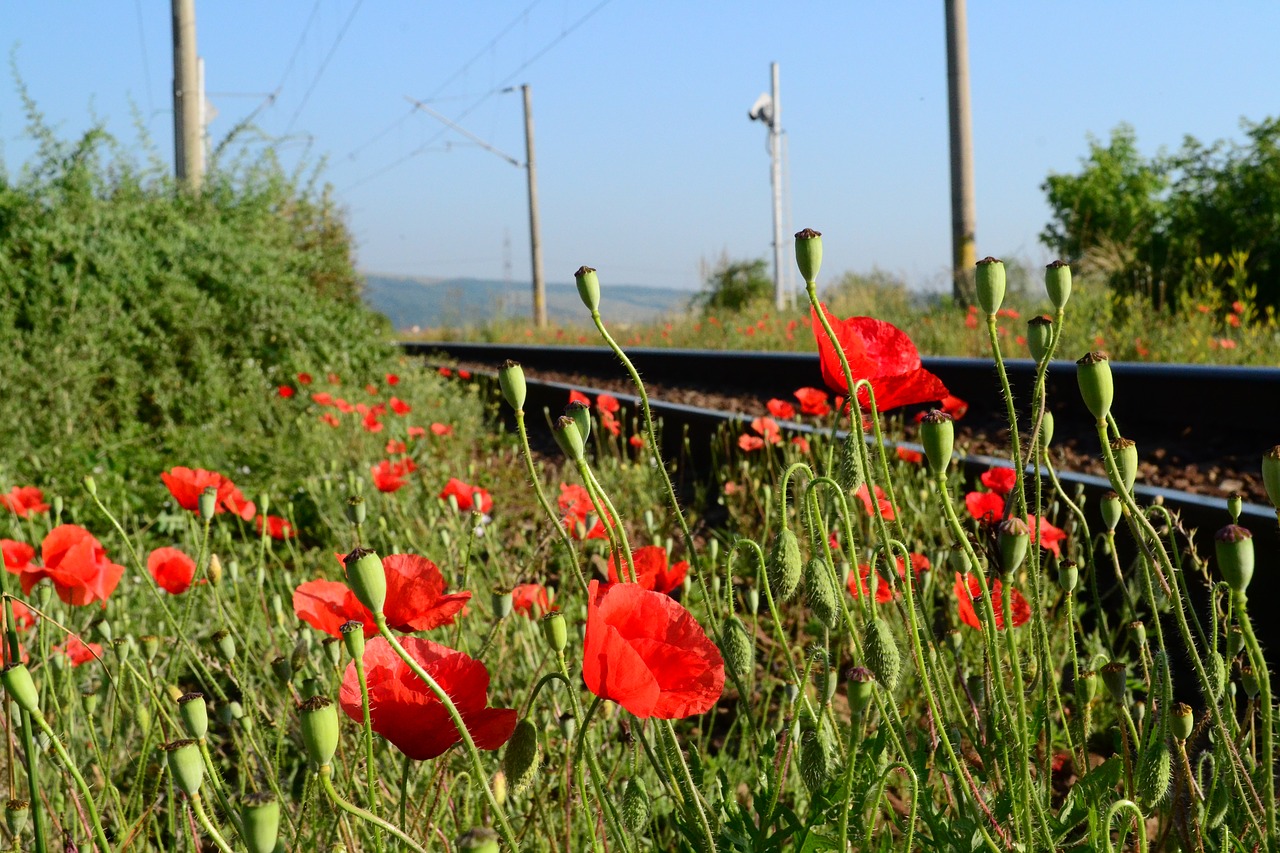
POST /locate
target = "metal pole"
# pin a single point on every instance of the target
(187, 130)
(964, 211)
(775, 175)
(535, 232)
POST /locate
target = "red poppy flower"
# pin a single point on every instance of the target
(17, 555)
(781, 409)
(464, 373)
(371, 389)
(416, 432)
(392, 379)
(531, 600)
(441, 430)
(395, 446)
(331, 419)
(171, 569)
(954, 406)
(343, 406)
(882, 507)
(801, 442)
(400, 407)
(277, 527)
(652, 569)
(187, 484)
(371, 423)
(636, 441)
(24, 500)
(1044, 533)
(967, 593)
(575, 503)
(908, 455)
(469, 497)
(78, 566)
(1000, 480)
(859, 584)
(444, 371)
(416, 600)
(304, 378)
(285, 391)
(984, 506)
(334, 379)
(750, 443)
(388, 476)
(78, 651)
(768, 428)
(23, 616)
(882, 353)
(405, 711)
(322, 398)
(644, 651)
(813, 401)
(579, 397)
(607, 403)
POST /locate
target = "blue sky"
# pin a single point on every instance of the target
(647, 163)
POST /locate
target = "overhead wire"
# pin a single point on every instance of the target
(324, 64)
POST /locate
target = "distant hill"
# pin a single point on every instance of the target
(455, 302)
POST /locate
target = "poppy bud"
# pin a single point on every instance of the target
(555, 631)
(809, 254)
(226, 645)
(820, 589)
(990, 283)
(1039, 332)
(829, 683)
(1112, 510)
(195, 714)
(319, 729)
(353, 638)
(1249, 679)
(860, 688)
(1139, 711)
(785, 566)
(521, 757)
(1235, 503)
(1087, 686)
(1234, 547)
(367, 578)
(753, 600)
(479, 840)
(738, 649)
(282, 670)
(185, 766)
(1271, 474)
(635, 806)
(816, 759)
(588, 287)
(1093, 374)
(1046, 429)
(1139, 631)
(1126, 454)
(1216, 669)
(1014, 537)
(260, 817)
(333, 650)
(1235, 641)
(1114, 676)
(91, 486)
(16, 813)
(1068, 575)
(1057, 283)
(214, 569)
(937, 434)
(569, 437)
(498, 784)
(1155, 772)
(18, 684)
(301, 650)
(882, 654)
(502, 602)
(357, 510)
(511, 381)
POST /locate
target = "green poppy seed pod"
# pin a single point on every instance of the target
(208, 504)
(1126, 454)
(195, 714)
(1057, 283)
(89, 696)
(479, 840)
(357, 510)
(16, 813)
(511, 381)
(581, 414)
(282, 670)
(588, 287)
(1114, 678)
(353, 638)
(1068, 575)
(260, 817)
(1139, 631)
(882, 654)
(555, 631)
(319, 729)
(1155, 772)
(105, 631)
(860, 686)
(828, 683)
(635, 806)
(1039, 332)
(225, 644)
(1112, 510)
(1249, 679)
(738, 649)
(938, 435)
(1087, 686)
(820, 590)
(1235, 503)
(569, 437)
(1234, 547)
(1235, 641)
(977, 686)
(332, 650)
(186, 766)
(785, 566)
(521, 757)
(990, 282)
(367, 578)
(1271, 474)
(18, 684)
(150, 646)
(816, 760)
(1093, 374)
(502, 603)
(809, 254)
(91, 486)
(1014, 539)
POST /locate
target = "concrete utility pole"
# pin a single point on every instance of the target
(964, 210)
(535, 230)
(188, 97)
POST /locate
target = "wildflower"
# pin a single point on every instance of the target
(468, 497)
(77, 565)
(23, 616)
(579, 397)
(1238, 307)
(441, 429)
(322, 398)
(187, 484)
(813, 401)
(277, 527)
(984, 506)
(969, 592)
(610, 424)
(1011, 313)
(394, 446)
(171, 569)
(1045, 534)
(906, 454)
(343, 406)
(285, 391)
(531, 599)
(409, 714)
(334, 379)
(883, 507)
(464, 373)
(1203, 309)
(304, 378)
(24, 500)
(644, 651)
(636, 441)
(801, 443)
(445, 372)
(372, 424)
(882, 353)
(416, 432)
(392, 379)
(971, 319)
(1000, 480)
(652, 569)
(77, 651)
(607, 403)
(416, 600)
(781, 409)
(1227, 343)
(750, 443)
(400, 407)
(331, 419)
(859, 583)
(17, 555)
(768, 428)
(389, 476)
(575, 502)
(1233, 320)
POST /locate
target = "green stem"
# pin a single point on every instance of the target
(1259, 663)
(198, 807)
(563, 536)
(325, 773)
(100, 837)
(1139, 825)
(370, 781)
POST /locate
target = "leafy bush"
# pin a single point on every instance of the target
(733, 285)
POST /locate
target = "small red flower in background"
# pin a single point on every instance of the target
(768, 428)
(334, 379)
(390, 476)
(441, 430)
(392, 379)
(78, 566)
(468, 497)
(400, 407)
(371, 389)
(322, 398)
(906, 454)
(1233, 321)
(277, 527)
(416, 432)
(1044, 533)
(1011, 313)
(636, 441)
(464, 373)
(531, 600)
(575, 503)
(24, 617)
(652, 569)
(610, 424)
(304, 378)
(647, 653)
(884, 593)
(1226, 343)
(882, 353)
(17, 555)
(882, 503)
(171, 569)
(1000, 480)
(607, 403)
(406, 712)
(285, 391)
(984, 506)
(954, 406)
(416, 600)
(579, 397)
(749, 442)
(331, 419)
(801, 442)
(969, 592)
(1238, 306)
(781, 409)
(24, 500)
(78, 651)
(445, 372)
(343, 406)
(395, 446)
(813, 401)
(187, 484)
(372, 424)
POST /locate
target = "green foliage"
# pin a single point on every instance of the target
(733, 285)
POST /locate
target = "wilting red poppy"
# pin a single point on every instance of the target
(400, 407)
(984, 506)
(531, 600)
(882, 507)
(441, 430)
(781, 409)
(1000, 480)
(78, 651)
(575, 503)
(187, 484)
(77, 564)
(17, 555)
(880, 352)
(416, 600)
(304, 378)
(768, 428)
(750, 443)
(171, 569)
(1044, 533)
(405, 711)
(389, 476)
(906, 454)
(24, 500)
(969, 592)
(813, 401)
(468, 497)
(277, 527)
(285, 391)
(653, 570)
(644, 651)
(607, 403)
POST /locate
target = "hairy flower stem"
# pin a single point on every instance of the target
(197, 805)
(565, 541)
(626, 560)
(586, 753)
(367, 721)
(445, 699)
(1259, 663)
(99, 836)
(325, 772)
(1139, 825)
